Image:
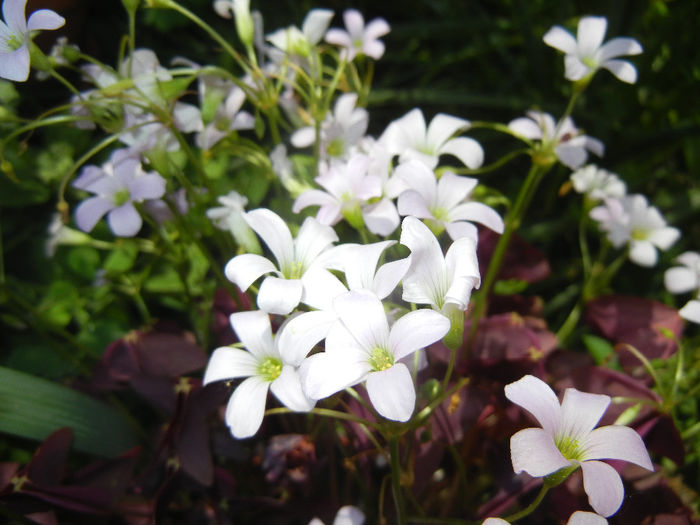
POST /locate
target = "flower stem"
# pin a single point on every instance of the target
(531, 507)
(396, 481)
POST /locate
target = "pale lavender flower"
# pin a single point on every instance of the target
(228, 118)
(263, 362)
(15, 34)
(362, 347)
(567, 142)
(568, 439)
(597, 183)
(632, 221)
(359, 39)
(117, 185)
(683, 279)
(444, 203)
(409, 138)
(586, 53)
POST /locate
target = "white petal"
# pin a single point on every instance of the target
(691, 311)
(559, 38)
(287, 388)
(90, 211)
(590, 35)
(246, 408)
(622, 70)
(254, 331)
(315, 24)
(321, 287)
(361, 264)
(13, 13)
(45, 19)
(465, 149)
(392, 393)
(535, 396)
(381, 218)
(460, 229)
(574, 69)
(681, 280)
(244, 269)
(616, 442)
(604, 487)
(571, 156)
(478, 212)
(418, 177)
(618, 47)
(124, 221)
(416, 330)
(412, 203)
(586, 518)
(312, 239)
(301, 333)
(665, 237)
(441, 128)
(533, 450)
(580, 412)
(279, 296)
(463, 269)
(349, 515)
(643, 253)
(363, 315)
(324, 374)
(495, 521)
(304, 137)
(526, 127)
(274, 233)
(149, 186)
(453, 189)
(229, 363)
(389, 275)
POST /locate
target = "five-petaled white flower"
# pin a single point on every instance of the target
(294, 41)
(409, 138)
(631, 220)
(281, 293)
(117, 185)
(565, 140)
(586, 53)
(359, 39)
(265, 365)
(568, 439)
(597, 183)
(15, 33)
(444, 203)
(686, 278)
(362, 347)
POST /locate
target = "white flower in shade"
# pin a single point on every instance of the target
(359, 39)
(568, 438)
(409, 138)
(683, 279)
(444, 282)
(347, 187)
(362, 347)
(280, 293)
(15, 34)
(299, 42)
(587, 53)
(228, 118)
(263, 362)
(577, 518)
(348, 515)
(229, 217)
(117, 185)
(568, 144)
(242, 16)
(598, 183)
(632, 221)
(340, 131)
(444, 203)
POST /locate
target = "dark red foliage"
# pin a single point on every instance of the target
(522, 260)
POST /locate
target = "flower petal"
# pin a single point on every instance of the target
(279, 296)
(254, 331)
(643, 253)
(580, 412)
(301, 333)
(586, 518)
(15, 64)
(149, 186)
(466, 149)
(389, 275)
(621, 46)
(274, 233)
(441, 128)
(324, 374)
(246, 408)
(590, 34)
(45, 19)
(321, 287)
(559, 38)
(681, 280)
(90, 211)
(478, 212)
(244, 269)
(533, 450)
(315, 24)
(616, 442)
(535, 396)
(229, 363)
(361, 264)
(287, 388)
(312, 239)
(604, 487)
(381, 218)
(691, 311)
(622, 69)
(392, 393)
(416, 330)
(363, 315)
(13, 14)
(124, 221)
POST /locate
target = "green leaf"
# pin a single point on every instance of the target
(33, 408)
(509, 286)
(122, 258)
(84, 261)
(168, 281)
(601, 350)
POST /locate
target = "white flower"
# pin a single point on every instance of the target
(228, 117)
(409, 138)
(281, 293)
(568, 439)
(348, 515)
(339, 132)
(362, 348)
(632, 221)
(442, 282)
(243, 19)
(347, 187)
(577, 518)
(598, 183)
(587, 53)
(118, 184)
(229, 217)
(686, 278)
(567, 142)
(299, 42)
(444, 203)
(359, 39)
(263, 362)
(15, 33)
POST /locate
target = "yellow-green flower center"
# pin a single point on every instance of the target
(294, 270)
(639, 234)
(121, 197)
(569, 447)
(14, 42)
(381, 359)
(270, 368)
(336, 147)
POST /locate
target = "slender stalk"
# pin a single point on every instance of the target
(396, 481)
(531, 507)
(326, 412)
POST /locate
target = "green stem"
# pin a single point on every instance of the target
(513, 221)
(505, 159)
(396, 481)
(326, 412)
(531, 507)
(55, 74)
